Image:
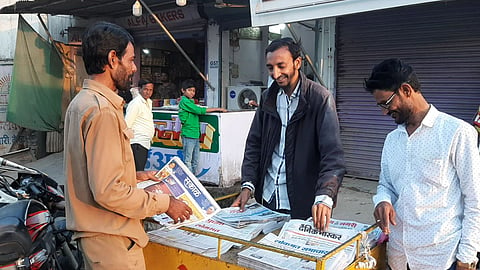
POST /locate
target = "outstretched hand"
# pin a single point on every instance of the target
(242, 199)
(321, 214)
(178, 210)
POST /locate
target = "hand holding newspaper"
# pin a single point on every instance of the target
(177, 181)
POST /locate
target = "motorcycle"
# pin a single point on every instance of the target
(33, 234)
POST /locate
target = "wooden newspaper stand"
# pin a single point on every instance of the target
(158, 256)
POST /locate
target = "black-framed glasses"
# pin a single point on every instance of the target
(386, 104)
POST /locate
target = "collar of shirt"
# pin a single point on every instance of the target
(428, 120)
(147, 101)
(116, 100)
(295, 94)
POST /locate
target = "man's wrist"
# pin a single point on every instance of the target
(249, 186)
(324, 199)
(469, 266)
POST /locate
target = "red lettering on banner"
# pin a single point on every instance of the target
(180, 14)
(144, 20)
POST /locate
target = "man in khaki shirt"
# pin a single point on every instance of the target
(104, 207)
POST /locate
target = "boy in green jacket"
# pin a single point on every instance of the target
(188, 112)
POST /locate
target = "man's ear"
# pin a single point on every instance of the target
(297, 63)
(406, 89)
(112, 58)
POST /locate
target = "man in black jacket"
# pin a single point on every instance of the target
(293, 161)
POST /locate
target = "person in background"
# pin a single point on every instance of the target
(188, 113)
(139, 118)
(428, 195)
(293, 161)
(166, 89)
(104, 207)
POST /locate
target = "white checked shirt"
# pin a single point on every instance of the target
(432, 178)
(276, 179)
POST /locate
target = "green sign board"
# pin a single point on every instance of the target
(168, 131)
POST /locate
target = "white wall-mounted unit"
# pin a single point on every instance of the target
(240, 96)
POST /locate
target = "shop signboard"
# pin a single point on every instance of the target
(270, 12)
(169, 17)
(8, 131)
(167, 144)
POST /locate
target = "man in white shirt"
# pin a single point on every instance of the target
(428, 197)
(139, 117)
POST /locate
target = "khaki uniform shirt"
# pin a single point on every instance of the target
(101, 192)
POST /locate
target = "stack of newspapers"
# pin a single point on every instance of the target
(206, 245)
(254, 213)
(301, 237)
(193, 242)
(254, 220)
(176, 180)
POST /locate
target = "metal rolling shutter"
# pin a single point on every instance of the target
(441, 41)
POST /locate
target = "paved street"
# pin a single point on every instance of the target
(354, 199)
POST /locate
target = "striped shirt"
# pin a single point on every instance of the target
(276, 178)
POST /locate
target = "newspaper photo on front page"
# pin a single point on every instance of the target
(176, 180)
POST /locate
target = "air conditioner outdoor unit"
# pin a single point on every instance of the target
(239, 96)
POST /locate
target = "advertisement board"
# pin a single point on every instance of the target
(8, 131)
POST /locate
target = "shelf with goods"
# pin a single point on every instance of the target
(174, 64)
(153, 64)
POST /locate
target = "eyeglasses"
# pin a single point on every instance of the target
(386, 104)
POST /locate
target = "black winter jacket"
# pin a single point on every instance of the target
(313, 151)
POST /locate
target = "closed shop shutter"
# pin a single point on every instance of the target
(440, 40)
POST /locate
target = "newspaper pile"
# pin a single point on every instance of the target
(246, 233)
(193, 242)
(246, 226)
(176, 180)
(202, 244)
(300, 236)
(254, 213)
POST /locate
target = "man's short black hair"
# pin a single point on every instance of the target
(390, 74)
(143, 82)
(98, 40)
(292, 46)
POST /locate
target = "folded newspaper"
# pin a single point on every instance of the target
(206, 245)
(254, 213)
(176, 180)
(300, 236)
(193, 242)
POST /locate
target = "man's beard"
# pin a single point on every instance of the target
(123, 86)
(402, 116)
(122, 80)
